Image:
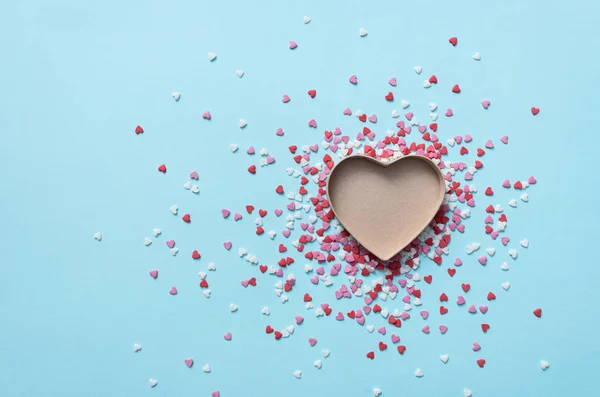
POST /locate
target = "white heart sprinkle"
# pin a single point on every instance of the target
(525, 243)
(512, 253)
(499, 208)
(290, 329)
(176, 96)
(136, 348)
(418, 373)
(512, 203)
(242, 251)
(174, 210)
(418, 69)
(98, 236)
(187, 186)
(239, 73)
(206, 368)
(395, 114)
(467, 393)
(432, 107)
(544, 365)
(326, 353)
(318, 364)
(504, 266)
(232, 307)
(212, 56)
(174, 251)
(362, 32)
(298, 374)
(308, 268)
(404, 104)
(309, 306)
(444, 358)
(426, 84)
(233, 147)
(265, 310)
(477, 56)
(271, 234)
(195, 189)
(306, 20)
(505, 286)
(370, 328)
(202, 275)
(376, 391)
(153, 382)
(243, 123)
(491, 251)
(147, 241)
(417, 302)
(525, 197)
(156, 232)
(206, 293)
(284, 298)
(212, 266)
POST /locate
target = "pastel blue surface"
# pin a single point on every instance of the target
(77, 77)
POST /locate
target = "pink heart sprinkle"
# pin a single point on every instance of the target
(189, 362)
(468, 176)
(482, 260)
(314, 280)
(293, 45)
(460, 300)
(485, 103)
(215, 394)
(504, 140)
(382, 330)
(245, 283)
(312, 123)
(250, 150)
(270, 160)
(171, 243)
(360, 320)
(285, 99)
(392, 81)
(227, 336)
(153, 274)
(408, 115)
(314, 147)
(347, 112)
(353, 79)
(406, 299)
(227, 245)
(279, 132)
(206, 115)
(194, 175)
(489, 144)
(449, 113)
(422, 129)
(506, 183)
(493, 235)
(225, 213)
(237, 217)
(395, 338)
(424, 314)
(173, 291)
(483, 309)
(476, 346)
(312, 341)
(405, 316)
(373, 118)
(461, 228)
(489, 219)
(443, 329)
(402, 283)
(468, 138)
(279, 273)
(458, 139)
(531, 180)
(425, 329)
(278, 212)
(339, 316)
(472, 309)
(286, 233)
(505, 240)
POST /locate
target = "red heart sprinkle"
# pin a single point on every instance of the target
(451, 272)
(186, 218)
(466, 287)
(293, 148)
(162, 168)
(443, 297)
(269, 330)
(389, 97)
(481, 362)
(443, 310)
(456, 89)
(249, 208)
(453, 41)
(371, 355)
(463, 150)
(538, 312)
(491, 296)
(195, 255)
(307, 298)
(363, 117)
(262, 213)
(428, 279)
(263, 268)
(518, 185)
(203, 284)
(485, 327)
(489, 191)
(382, 346)
(278, 335)
(279, 189)
(252, 281)
(535, 110)
(139, 130)
(401, 349)
(252, 169)
(433, 79)
(259, 230)
(312, 93)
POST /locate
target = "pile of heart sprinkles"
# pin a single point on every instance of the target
(305, 229)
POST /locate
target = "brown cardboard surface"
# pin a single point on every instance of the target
(385, 205)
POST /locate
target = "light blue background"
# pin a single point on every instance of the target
(78, 76)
